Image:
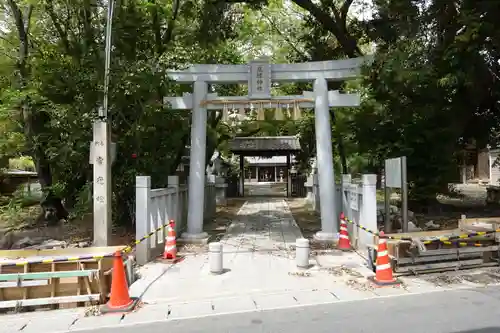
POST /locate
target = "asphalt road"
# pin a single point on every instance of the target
(458, 311)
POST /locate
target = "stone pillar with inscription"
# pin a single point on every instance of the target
(101, 159)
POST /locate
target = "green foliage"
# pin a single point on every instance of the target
(432, 88)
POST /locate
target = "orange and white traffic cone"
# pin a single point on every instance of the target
(170, 243)
(344, 242)
(383, 272)
(119, 300)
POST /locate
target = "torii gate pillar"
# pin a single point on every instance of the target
(326, 172)
(196, 194)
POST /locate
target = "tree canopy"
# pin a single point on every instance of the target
(431, 89)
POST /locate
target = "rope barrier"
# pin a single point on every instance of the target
(133, 244)
(444, 240)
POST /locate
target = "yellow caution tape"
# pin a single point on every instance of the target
(126, 249)
(452, 240)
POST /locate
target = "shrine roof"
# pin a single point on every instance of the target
(264, 145)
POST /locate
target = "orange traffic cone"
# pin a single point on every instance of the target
(119, 300)
(383, 272)
(170, 243)
(344, 242)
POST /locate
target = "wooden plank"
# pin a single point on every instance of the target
(55, 281)
(401, 247)
(444, 257)
(48, 275)
(464, 221)
(23, 284)
(106, 263)
(49, 301)
(460, 250)
(53, 285)
(68, 252)
(443, 265)
(25, 290)
(439, 270)
(433, 233)
(86, 280)
(103, 290)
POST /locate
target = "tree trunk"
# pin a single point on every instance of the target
(53, 209)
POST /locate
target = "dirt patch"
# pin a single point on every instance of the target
(309, 223)
(216, 228)
(484, 279)
(308, 220)
(445, 280)
(20, 231)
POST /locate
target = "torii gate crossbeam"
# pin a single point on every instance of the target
(259, 74)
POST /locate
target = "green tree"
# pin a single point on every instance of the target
(432, 87)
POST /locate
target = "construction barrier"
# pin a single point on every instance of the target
(411, 254)
(52, 280)
(453, 240)
(126, 249)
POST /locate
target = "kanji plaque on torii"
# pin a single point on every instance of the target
(259, 80)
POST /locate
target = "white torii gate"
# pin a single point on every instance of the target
(258, 75)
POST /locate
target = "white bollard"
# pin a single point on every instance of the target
(215, 258)
(302, 252)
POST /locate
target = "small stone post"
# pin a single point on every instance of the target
(302, 252)
(316, 201)
(173, 181)
(142, 215)
(210, 197)
(215, 258)
(369, 209)
(220, 191)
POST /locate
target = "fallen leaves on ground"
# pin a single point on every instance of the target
(300, 274)
(358, 285)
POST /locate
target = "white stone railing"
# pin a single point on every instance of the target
(358, 202)
(155, 207)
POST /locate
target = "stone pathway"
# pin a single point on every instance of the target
(262, 225)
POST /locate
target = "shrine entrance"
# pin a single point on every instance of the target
(259, 75)
(265, 164)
